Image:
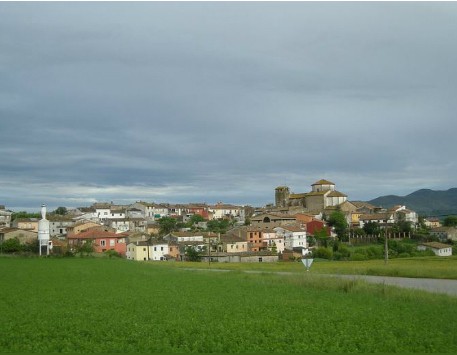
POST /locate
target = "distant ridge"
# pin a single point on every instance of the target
(425, 202)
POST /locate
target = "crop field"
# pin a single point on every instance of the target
(93, 305)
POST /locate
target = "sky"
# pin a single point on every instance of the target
(184, 102)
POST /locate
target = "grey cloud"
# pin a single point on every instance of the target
(224, 101)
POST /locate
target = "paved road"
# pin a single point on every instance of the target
(431, 285)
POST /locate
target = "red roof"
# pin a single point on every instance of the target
(97, 234)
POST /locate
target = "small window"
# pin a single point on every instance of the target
(102, 243)
(260, 260)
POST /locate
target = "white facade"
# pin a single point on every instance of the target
(5, 217)
(274, 240)
(59, 228)
(158, 251)
(222, 211)
(293, 238)
(438, 248)
(409, 216)
(334, 200)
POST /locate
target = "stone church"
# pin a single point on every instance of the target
(322, 196)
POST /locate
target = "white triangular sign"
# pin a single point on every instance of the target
(307, 262)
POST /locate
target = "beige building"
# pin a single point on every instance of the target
(30, 224)
(138, 251)
(271, 220)
(24, 236)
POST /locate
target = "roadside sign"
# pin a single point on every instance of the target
(307, 262)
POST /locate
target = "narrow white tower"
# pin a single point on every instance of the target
(43, 231)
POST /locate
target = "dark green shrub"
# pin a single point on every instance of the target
(112, 253)
(323, 253)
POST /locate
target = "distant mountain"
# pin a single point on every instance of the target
(425, 202)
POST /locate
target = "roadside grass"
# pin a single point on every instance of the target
(93, 305)
(426, 267)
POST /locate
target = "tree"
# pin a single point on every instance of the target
(321, 236)
(402, 227)
(194, 219)
(24, 214)
(450, 221)
(166, 225)
(218, 226)
(337, 220)
(61, 211)
(372, 228)
(12, 245)
(192, 254)
(86, 248)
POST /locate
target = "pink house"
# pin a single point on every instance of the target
(102, 240)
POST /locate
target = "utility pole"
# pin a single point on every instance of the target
(386, 248)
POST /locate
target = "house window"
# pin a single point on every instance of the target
(102, 243)
(260, 260)
(144, 249)
(155, 248)
(112, 242)
(161, 248)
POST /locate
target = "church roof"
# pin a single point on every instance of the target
(323, 182)
(292, 196)
(336, 194)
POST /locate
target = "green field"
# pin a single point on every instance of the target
(94, 305)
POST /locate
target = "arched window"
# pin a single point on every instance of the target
(266, 220)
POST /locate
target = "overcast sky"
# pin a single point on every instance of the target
(206, 102)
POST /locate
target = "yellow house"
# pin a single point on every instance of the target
(355, 218)
(138, 251)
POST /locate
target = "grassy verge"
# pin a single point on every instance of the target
(427, 267)
(105, 306)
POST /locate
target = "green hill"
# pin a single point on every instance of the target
(425, 202)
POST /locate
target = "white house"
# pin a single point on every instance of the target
(123, 225)
(159, 251)
(294, 237)
(105, 211)
(221, 210)
(439, 249)
(5, 217)
(58, 225)
(402, 213)
(383, 219)
(180, 237)
(274, 240)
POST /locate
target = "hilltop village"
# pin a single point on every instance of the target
(293, 227)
